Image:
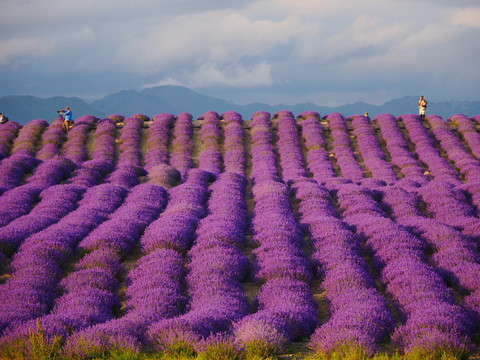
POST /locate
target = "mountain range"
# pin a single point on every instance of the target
(176, 99)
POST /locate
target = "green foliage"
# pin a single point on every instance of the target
(219, 352)
(437, 354)
(256, 350)
(35, 347)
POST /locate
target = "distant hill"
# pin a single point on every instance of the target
(176, 99)
(23, 108)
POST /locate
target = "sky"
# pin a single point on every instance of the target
(272, 51)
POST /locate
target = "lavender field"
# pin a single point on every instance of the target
(290, 236)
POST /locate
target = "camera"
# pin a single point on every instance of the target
(59, 111)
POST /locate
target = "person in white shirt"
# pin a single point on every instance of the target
(422, 106)
(3, 119)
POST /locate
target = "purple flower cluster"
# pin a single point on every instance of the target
(14, 168)
(288, 145)
(19, 200)
(8, 133)
(341, 148)
(448, 204)
(51, 172)
(21, 162)
(359, 318)
(158, 140)
(182, 144)
(129, 168)
(426, 150)
(89, 293)
(286, 308)
(52, 140)
(74, 148)
(36, 267)
(455, 253)
(234, 143)
(210, 158)
(454, 149)
(28, 136)
(157, 155)
(102, 160)
(155, 287)
(434, 323)
(467, 129)
(317, 157)
(401, 157)
(216, 267)
(374, 159)
(55, 202)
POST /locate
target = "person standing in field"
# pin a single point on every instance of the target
(422, 106)
(67, 119)
(3, 119)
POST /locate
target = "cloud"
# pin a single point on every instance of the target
(467, 17)
(214, 37)
(265, 48)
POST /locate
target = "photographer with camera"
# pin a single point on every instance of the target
(66, 115)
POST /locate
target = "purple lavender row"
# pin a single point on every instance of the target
(455, 255)
(14, 168)
(216, 267)
(28, 136)
(9, 175)
(158, 136)
(454, 149)
(234, 146)
(8, 133)
(286, 309)
(434, 323)
(260, 130)
(341, 148)
(22, 161)
(20, 200)
(155, 287)
(74, 148)
(157, 156)
(52, 140)
(56, 203)
(373, 157)
(182, 145)
(467, 129)
(359, 316)
(90, 291)
(102, 161)
(476, 118)
(288, 146)
(216, 255)
(449, 205)
(128, 167)
(32, 287)
(401, 157)
(426, 151)
(210, 158)
(338, 251)
(317, 157)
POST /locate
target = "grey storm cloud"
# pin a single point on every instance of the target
(271, 51)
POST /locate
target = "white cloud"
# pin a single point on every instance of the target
(233, 76)
(218, 37)
(276, 46)
(467, 17)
